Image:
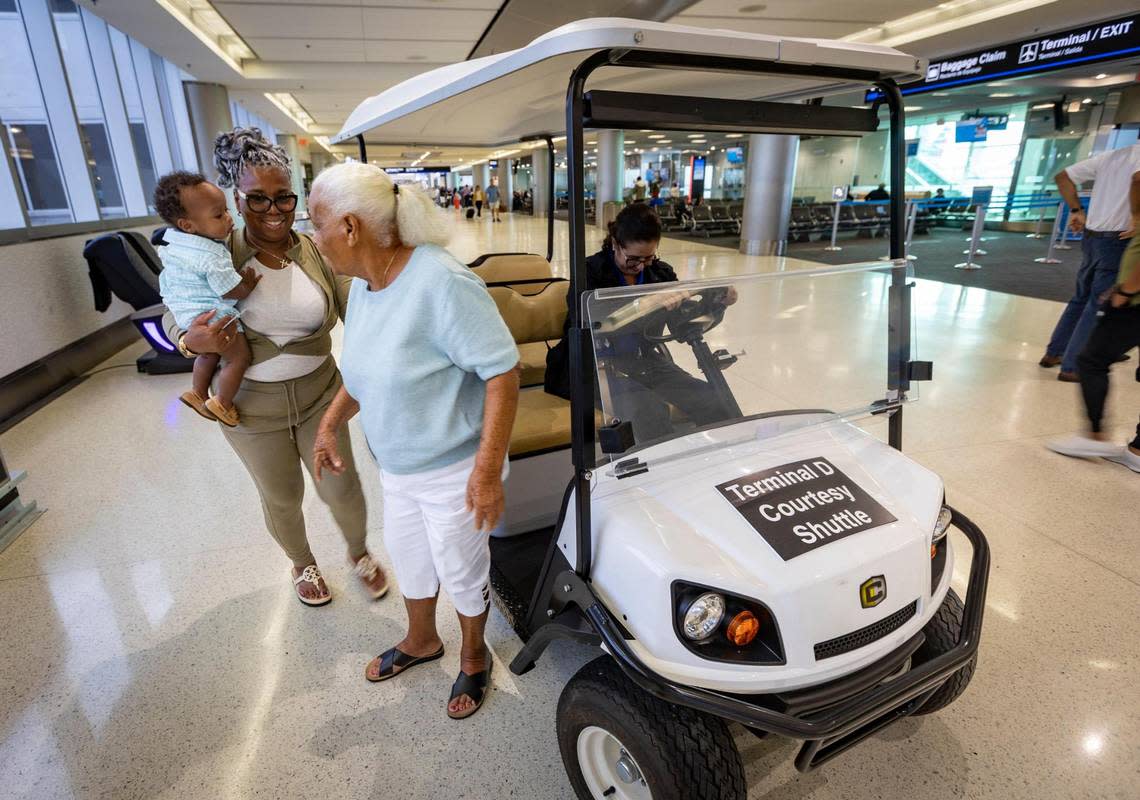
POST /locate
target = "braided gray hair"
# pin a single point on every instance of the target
(242, 148)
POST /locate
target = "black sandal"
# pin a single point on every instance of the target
(474, 686)
(395, 661)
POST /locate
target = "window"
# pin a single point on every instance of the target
(87, 99)
(28, 134)
(145, 162)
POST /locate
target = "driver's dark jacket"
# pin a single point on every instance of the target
(601, 273)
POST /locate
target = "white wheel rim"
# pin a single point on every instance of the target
(607, 767)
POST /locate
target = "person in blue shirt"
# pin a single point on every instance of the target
(493, 199)
(433, 371)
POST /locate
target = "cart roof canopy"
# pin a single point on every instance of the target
(509, 96)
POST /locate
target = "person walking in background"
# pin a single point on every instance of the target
(493, 200)
(479, 198)
(1105, 233)
(1117, 331)
(639, 189)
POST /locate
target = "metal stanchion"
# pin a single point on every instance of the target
(1037, 234)
(834, 228)
(910, 215)
(1062, 244)
(973, 252)
(975, 237)
(1048, 258)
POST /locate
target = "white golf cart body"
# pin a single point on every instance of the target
(843, 611)
(665, 520)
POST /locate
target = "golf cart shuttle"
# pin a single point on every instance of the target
(742, 549)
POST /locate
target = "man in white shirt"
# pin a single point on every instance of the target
(1106, 231)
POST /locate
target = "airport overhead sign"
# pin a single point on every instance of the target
(1090, 43)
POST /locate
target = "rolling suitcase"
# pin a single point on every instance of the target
(470, 213)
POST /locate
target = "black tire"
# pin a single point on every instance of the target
(682, 754)
(942, 633)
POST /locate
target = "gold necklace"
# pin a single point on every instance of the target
(282, 262)
(384, 278)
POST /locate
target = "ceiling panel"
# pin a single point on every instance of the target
(255, 20)
(399, 50)
(867, 12)
(492, 5)
(307, 49)
(811, 30)
(425, 25)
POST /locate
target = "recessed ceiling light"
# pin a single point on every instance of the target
(940, 94)
(1003, 94)
(1087, 100)
(696, 136)
(1100, 76)
(646, 130)
(656, 136)
(912, 108)
(665, 141)
(734, 136)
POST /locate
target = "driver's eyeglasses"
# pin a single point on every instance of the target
(259, 203)
(642, 261)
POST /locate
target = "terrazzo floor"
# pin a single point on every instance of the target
(152, 646)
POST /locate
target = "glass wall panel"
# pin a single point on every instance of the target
(27, 130)
(88, 102)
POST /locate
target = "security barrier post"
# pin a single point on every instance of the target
(973, 252)
(1048, 258)
(834, 228)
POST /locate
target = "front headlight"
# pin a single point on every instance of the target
(942, 524)
(703, 616)
(722, 626)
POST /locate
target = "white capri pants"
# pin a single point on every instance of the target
(431, 537)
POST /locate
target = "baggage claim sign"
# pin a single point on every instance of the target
(1100, 41)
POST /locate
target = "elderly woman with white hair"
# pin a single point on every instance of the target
(432, 369)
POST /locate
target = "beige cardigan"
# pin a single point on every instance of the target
(334, 287)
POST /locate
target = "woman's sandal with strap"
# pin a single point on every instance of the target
(312, 576)
(394, 661)
(370, 573)
(474, 686)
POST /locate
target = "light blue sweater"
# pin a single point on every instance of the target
(417, 356)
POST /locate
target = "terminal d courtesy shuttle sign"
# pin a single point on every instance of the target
(804, 505)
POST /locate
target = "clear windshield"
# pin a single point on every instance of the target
(693, 357)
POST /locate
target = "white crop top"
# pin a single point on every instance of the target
(286, 305)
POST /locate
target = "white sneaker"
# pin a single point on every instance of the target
(1084, 447)
(1128, 459)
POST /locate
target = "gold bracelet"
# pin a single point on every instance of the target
(183, 349)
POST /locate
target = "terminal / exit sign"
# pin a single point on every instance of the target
(1099, 41)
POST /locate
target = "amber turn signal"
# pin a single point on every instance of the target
(743, 628)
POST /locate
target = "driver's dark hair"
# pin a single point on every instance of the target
(636, 222)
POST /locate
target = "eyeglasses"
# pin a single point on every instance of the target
(640, 261)
(260, 204)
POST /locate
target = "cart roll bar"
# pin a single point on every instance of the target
(898, 359)
(546, 137)
(855, 718)
(578, 334)
(363, 149)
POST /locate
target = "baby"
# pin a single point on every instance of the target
(197, 276)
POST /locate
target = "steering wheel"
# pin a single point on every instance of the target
(697, 314)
